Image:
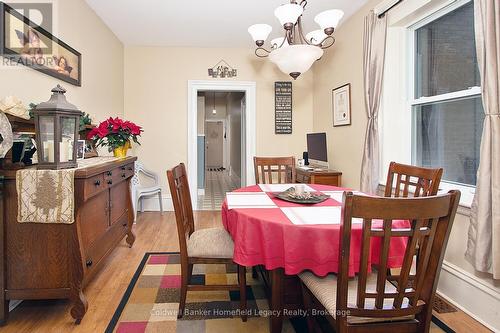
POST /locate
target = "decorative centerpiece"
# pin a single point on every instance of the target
(57, 123)
(298, 195)
(116, 134)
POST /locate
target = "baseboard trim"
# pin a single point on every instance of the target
(470, 294)
(152, 204)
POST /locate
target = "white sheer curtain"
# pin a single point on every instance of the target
(374, 40)
(483, 246)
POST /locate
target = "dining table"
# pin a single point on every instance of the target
(287, 238)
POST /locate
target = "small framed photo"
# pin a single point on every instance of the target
(80, 149)
(341, 105)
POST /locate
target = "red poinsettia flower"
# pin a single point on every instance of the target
(114, 132)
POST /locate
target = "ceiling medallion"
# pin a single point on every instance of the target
(295, 53)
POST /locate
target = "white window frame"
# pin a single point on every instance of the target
(467, 191)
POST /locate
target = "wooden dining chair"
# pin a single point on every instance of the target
(408, 180)
(375, 302)
(204, 246)
(269, 170)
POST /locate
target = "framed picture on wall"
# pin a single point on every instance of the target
(23, 42)
(341, 105)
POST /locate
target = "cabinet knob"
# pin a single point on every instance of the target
(123, 168)
(124, 224)
(110, 182)
(110, 173)
(97, 183)
(130, 168)
(89, 263)
(124, 175)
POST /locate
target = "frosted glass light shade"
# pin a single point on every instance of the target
(260, 31)
(277, 42)
(295, 58)
(316, 36)
(329, 18)
(288, 13)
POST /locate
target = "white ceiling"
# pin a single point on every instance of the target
(204, 23)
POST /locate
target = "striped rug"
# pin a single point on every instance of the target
(151, 302)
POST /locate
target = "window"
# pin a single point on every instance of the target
(446, 108)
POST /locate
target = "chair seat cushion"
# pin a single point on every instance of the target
(210, 243)
(325, 291)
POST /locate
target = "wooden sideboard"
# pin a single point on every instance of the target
(323, 177)
(51, 261)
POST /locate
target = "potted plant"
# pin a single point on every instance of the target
(116, 134)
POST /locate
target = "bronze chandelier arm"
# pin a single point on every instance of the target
(261, 55)
(332, 41)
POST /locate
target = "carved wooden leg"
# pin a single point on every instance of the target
(242, 271)
(277, 300)
(130, 236)
(79, 307)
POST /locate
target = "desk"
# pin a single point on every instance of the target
(266, 236)
(323, 177)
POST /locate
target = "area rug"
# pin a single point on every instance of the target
(151, 301)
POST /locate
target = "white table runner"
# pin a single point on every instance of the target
(315, 215)
(249, 200)
(282, 187)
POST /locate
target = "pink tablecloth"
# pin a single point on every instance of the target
(265, 236)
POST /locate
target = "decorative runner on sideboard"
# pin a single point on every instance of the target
(47, 196)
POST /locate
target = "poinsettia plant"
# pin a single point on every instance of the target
(115, 133)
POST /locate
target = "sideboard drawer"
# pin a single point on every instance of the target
(93, 185)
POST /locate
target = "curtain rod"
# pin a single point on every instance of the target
(388, 9)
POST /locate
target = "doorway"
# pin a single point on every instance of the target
(220, 150)
(195, 122)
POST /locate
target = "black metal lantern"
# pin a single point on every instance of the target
(57, 124)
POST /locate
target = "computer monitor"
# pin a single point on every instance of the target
(317, 151)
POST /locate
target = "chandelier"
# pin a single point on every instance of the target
(295, 53)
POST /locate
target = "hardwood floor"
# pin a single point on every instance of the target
(155, 233)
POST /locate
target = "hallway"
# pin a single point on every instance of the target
(217, 184)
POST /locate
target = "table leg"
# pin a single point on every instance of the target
(277, 300)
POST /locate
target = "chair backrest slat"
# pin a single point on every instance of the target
(269, 170)
(430, 220)
(181, 198)
(426, 183)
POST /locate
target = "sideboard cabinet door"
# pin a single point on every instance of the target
(94, 219)
(119, 201)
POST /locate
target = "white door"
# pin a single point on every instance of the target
(214, 137)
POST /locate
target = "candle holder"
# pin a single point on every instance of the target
(57, 125)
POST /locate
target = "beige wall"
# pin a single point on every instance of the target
(101, 93)
(342, 64)
(156, 98)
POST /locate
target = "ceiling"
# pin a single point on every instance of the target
(202, 23)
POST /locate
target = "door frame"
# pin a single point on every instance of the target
(249, 88)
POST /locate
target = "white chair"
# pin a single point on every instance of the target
(140, 191)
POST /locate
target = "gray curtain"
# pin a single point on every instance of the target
(483, 246)
(373, 70)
